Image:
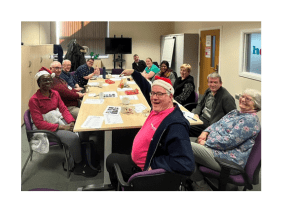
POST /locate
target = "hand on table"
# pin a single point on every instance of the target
(81, 94)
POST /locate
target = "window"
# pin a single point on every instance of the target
(250, 54)
(86, 33)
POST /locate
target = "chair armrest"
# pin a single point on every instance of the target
(119, 176)
(31, 132)
(230, 165)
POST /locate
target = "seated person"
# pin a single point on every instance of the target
(85, 72)
(146, 88)
(69, 95)
(232, 137)
(184, 86)
(68, 77)
(162, 142)
(138, 65)
(215, 104)
(165, 72)
(151, 70)
(46, 100)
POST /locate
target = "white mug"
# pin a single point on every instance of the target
(125, 100)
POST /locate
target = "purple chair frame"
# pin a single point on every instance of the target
(55, 140)
(247, 177)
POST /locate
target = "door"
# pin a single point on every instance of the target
(209, 56)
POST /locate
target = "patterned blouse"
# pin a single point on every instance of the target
(233, 136)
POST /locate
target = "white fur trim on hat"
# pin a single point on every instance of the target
(164, 84)
(43, 72)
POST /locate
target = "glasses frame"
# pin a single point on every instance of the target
(158, 94)
(246, 99)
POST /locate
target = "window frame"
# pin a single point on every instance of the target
(243, 55)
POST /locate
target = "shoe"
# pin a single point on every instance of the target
(78, 168)
(204, 187)
(84, 170)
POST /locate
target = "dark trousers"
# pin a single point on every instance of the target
(196, 130)
(127, 166)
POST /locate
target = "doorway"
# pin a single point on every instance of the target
(209, 56)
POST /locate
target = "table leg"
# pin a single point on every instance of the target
(107, 182)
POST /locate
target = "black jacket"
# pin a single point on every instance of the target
(140, 67)
(223, 104)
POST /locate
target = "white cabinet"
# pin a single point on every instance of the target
(186, 49)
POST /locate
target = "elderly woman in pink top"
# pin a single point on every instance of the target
(46, 100)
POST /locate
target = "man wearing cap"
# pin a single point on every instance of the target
(162, 142)
(69, 95)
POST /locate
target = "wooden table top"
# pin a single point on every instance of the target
(135, 120)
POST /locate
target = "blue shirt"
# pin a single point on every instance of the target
(68, 78)
(81, 72)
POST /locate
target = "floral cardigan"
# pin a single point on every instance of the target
(233, 136)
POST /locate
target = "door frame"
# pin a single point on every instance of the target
(199, 52)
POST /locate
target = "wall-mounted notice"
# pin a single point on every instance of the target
(208, 40)
(208, 52)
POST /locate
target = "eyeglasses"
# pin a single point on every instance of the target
(246, 98)
(158, 94)
(163, 66)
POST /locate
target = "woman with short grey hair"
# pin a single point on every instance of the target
(231, 138)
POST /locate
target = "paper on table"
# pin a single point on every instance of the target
(124, 89)
(94, 101)
(113, 119)
(110, 94)
(130, 82)
(188, 115)
(93, 83)
(112, 110)
(92, 94)
(93, 122)
(139, 107)
(131, 97)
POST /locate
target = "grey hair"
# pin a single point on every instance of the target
(65, 61)
(51, 65)
(256, 96)
(214, 75)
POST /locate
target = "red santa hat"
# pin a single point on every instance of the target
(164, 82)
(44, 71)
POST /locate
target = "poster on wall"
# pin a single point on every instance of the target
(208, 52)
(208, 40)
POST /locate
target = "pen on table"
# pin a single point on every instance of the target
(192, 118)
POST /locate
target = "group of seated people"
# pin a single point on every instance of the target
(164, 139)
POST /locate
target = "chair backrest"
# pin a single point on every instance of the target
(27, 120)
(254, 160)
(117, 71)
(156, 180)
(196, 97)
(156, 63)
